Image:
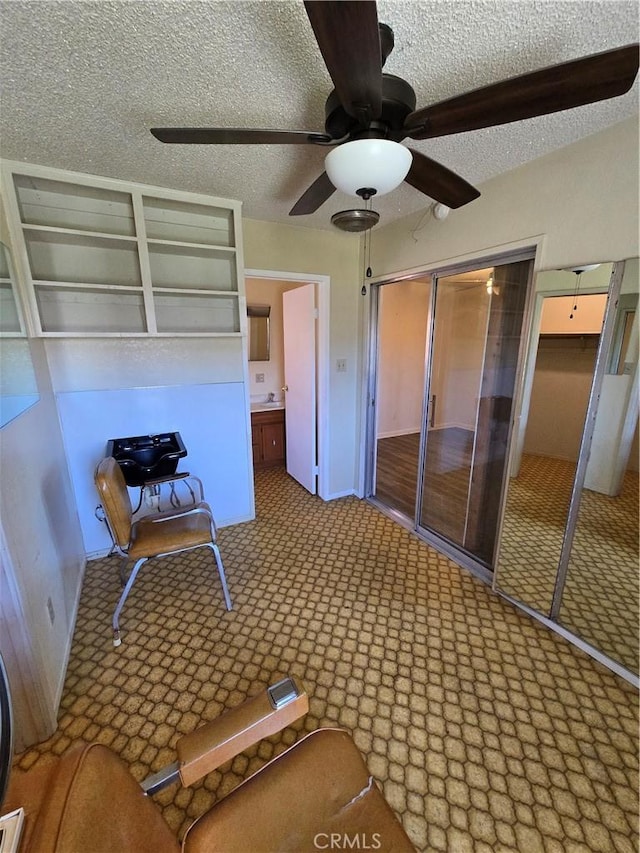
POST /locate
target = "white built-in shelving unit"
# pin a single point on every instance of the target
(11, 325)
(104, 257)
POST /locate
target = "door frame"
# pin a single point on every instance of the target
(323, 287)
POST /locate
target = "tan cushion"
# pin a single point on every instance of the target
(116, 503)
(89, 803)
(318, 787)
(27, 790)
(157, 535)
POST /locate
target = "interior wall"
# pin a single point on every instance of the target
(41, 529)
(583, 199)
(402, 332)
(564, 372)
(211, 420)
(460, 328)
(289, 248)
(116, 387)
(561, 317)
(262, 291)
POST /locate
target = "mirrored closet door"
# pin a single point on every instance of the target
(549, 426)
(569, 537)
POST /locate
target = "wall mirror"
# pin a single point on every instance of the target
(258, 332)
(572, 553)
(18, 387)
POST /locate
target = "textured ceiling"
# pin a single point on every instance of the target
(82, 82)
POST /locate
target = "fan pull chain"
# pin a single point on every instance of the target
(575, 295)
(367, 253)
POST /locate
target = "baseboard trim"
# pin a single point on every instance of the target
(452, 425)
(240, 519)
(97, 555)
(69, 643)
(583, 645)
(335, 495)
(396, 432)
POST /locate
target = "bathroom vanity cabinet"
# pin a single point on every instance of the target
(268, 438)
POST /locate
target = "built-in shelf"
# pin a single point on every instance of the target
(110, 258)
(55, 233)
(221, 249)
(9, 317)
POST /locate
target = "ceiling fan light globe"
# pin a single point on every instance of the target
(379, 164)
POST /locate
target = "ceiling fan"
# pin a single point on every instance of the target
(368, 104)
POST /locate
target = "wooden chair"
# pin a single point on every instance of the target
(157, 535)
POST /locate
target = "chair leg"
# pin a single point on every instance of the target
(223, 579)
(123, 598)
(123, 571)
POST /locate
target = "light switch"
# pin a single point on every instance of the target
(259, 377)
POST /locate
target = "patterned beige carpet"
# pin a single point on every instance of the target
(601, 601)
(485, 731)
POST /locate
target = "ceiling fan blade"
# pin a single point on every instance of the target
(438, 182)
(238, 136)
(349, 40)
(559, 87)
(319, 191)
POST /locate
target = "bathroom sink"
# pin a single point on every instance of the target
(273, 404)
(147, 457)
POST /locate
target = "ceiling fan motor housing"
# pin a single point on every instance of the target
(398, 100)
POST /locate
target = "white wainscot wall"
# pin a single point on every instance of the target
(211, 420)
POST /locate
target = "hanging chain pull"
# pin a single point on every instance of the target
(575, 295)
(367, 253)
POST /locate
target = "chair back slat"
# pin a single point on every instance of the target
(115, 499)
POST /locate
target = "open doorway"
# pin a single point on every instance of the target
(303, 409)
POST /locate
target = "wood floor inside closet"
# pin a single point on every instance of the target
(447, 477)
